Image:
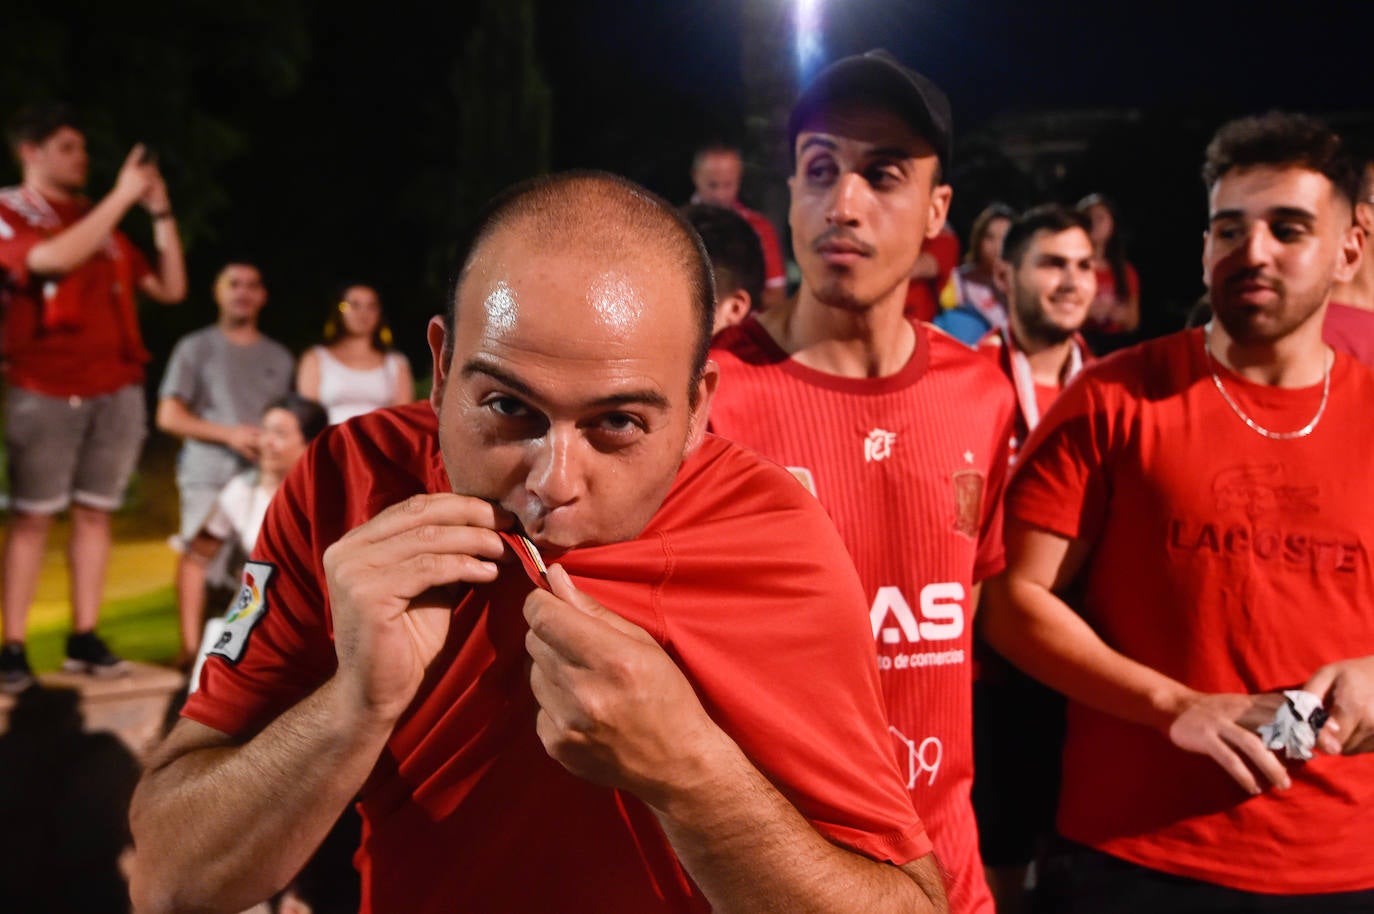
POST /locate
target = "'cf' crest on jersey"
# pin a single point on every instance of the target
(878, 445)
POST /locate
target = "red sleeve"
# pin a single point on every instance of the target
(277, 646)
(1061, 482)
(781, 652)
(17, 238)
(1133, 282)
(774, 274)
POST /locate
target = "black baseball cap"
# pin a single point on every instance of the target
(877, 76)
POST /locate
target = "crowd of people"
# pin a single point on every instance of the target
(666, 599)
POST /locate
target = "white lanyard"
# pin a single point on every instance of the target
(1025, 383)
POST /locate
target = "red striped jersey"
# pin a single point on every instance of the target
(911, 469)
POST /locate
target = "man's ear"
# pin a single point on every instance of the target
(940, 197)
(731, 309)
(1001, 277)
(25, 152)
(1353, 249)
(441, 350)
(700, 417)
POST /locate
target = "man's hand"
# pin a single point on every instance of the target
(136, 176)
(613, 707)
(243, 440)
(156, 199)
(1347, 692)
(391, 592)
(1223, 726)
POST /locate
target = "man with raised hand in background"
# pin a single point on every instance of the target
(75, 417)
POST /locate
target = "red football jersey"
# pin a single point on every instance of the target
(911, 468)
(736, 576)
(99, 348)
(1231, 563)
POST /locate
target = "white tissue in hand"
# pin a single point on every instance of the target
(1295, 725)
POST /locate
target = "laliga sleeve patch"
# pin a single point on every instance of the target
(248, 609)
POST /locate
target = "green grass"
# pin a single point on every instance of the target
(140, 628)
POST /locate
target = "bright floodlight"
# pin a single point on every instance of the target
(808, 38)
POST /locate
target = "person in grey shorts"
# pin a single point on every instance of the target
(74, 357)
(218, 382)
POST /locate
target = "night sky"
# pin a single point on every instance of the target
(354, 172)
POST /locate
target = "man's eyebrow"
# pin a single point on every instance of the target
(1292, 212)
(479, 366)
(645, 397)
(1277, 212)
(823, 142)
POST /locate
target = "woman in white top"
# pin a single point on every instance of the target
(288, 426)
(356, 370)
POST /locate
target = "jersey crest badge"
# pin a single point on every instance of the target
(243, 616)
(969, 484)
(878, 445)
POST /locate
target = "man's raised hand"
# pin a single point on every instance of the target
(393, 583)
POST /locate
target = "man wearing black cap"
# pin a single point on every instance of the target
(899, 430)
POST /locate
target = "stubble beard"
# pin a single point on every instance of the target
(1037, 328)
(1242, 327)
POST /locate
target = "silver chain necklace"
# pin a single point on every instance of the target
(1276, 436)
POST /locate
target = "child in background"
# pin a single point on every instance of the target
(288, 426)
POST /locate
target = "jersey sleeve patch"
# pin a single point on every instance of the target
(248, 609)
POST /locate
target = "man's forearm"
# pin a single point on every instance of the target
(170, 286)
(221, 828)
(74, 245)
(749, 849)
(174, 418)
(1034, 629)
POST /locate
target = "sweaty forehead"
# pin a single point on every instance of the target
(576, 296)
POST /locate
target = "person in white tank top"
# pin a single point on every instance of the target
(356, 370)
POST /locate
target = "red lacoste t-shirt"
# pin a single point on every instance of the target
(911, 468)
(97, 352)
(739, 576)
(1232, 563)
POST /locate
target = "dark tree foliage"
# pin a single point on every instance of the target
(180, 76)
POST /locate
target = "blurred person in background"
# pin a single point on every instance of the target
(1349, 323)
(1115, 312)
(717, 170)
(75, 418)
(736, 260)
(1046, 272)
(288, 427)
(214, 391)
(971, 302)
(355, 370)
